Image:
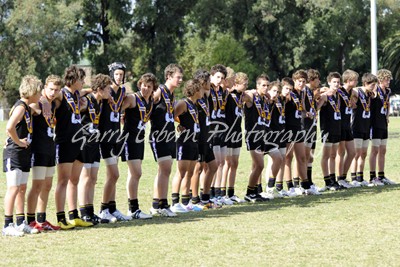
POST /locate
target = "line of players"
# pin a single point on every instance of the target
(74, 128)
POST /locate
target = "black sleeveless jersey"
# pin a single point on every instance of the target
(217, 100)
(277, 110)
(136, 118)
(329, 116)
(255, 116)
(162, 117)
(309, 106)
(91, 118)
(190, 121)
(379, 109)
(43, 135)
(345, 108)
(234, 111)
(24, 127)
(203, 108)
(68, 126)
(293, 109)
(109, 124)
(361, 117)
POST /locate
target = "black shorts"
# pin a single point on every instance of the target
(206, 153)
(108, 150)
(294, 134)
(133, 150)
(233, 139)
(163, 149)
(90, 153)
(346, 135)
(218, 140)
(328, 138)
(311, 136)
(252, 144)
(67, 152)
(377, 133)
(16, 159)
(43, 160)
(187, 151)
(359, 135)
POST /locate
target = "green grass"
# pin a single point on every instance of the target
(357, 227)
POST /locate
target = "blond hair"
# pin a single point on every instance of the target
(349, 75)
(55, 79)
(241, 77)
(383, 74)
(30, 86)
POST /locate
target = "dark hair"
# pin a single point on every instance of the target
(332, 75)
(369, 78)
(313, 74)
(219, 68)
(100, 81)
(263, 77)
(148, 78)
(73, 74)
(171, 69)
(202, 75)
(287, 81)
(300, 74)
(191, 87)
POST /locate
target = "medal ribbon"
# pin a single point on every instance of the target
(144, 114)
(310, 98)
(222, 99)
(365, 100)
(333, 103)
(94, 117)
(115, 106)
(192, 111)
(384, 98)
(344, 97)
(75, 106)
(280, 106)
(238, 100)
(296, 101)
(204, 106)
(50, 120)
(259, 106)
(28, 121)
(168, 102)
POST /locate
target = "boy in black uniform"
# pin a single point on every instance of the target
(43, 157)
(68, 147)
(17, 157)
(233, 119)
(296, 135)
(91, 110)
(379, 128)
(330, 124)
(186, 114)
(138, 108)
(360, 125)
(112, 140)
(162, 137)
(346, 149)
(206, 165)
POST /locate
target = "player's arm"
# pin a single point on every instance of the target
(16, 116)
(179, 109)
(129, 102)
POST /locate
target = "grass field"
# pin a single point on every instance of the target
(357, 227)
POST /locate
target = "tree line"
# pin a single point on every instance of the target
(252, 36)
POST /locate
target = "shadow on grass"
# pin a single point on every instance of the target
(301, 201)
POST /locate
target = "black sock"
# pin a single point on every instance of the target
(83, 210)
(205, 198)
(163, 203)
(333, 177)
(309, 174)
(360, 176)
(7, 220)
(250, 190)
(133, 204)
(175, 198)
(41, 217)
(279, 185)
(190, 193)
(112, 206)
(212, 192)
(185, 199)
(289, 184)
(30, 217)
(271, 182)
(231, 191)
(196, 200)
(103, 206)
(60, 216)
(305, 184)
(353, 176)
(381, 175)
(223, 191)
(218, 191)
(90, 210)
(296, 181)
(259, 188)
(201, 192)
(372, 175)
(156, 203)
(73, 214)
(20, 218)
(327, 180)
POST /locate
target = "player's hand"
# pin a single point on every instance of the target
(180, 128)
(24, 143)
(46, 107)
